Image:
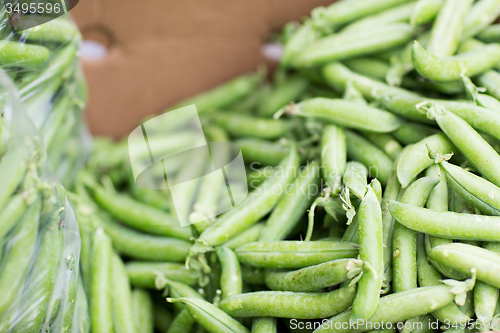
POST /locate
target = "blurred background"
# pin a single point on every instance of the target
(141, 57)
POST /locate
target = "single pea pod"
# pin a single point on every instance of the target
(13, 167)
(333, 156)
(415, 158)
(397, 14)
(491, 81)
(469, 142)
(57, 31)
(378, 163)
(258, 152)
(210, 317)
(343, 12)
(400, 307)
(249, 235)
(447, 224)
(447, 28)
(287, 304)
(474, 189)
(425, 11)
(294, 254)
(465, 257)
(371, 252)
(142, 307)
(17, 258)
(230, 279)
(452, 68)
(305, 35)
(328, 274)
(288, 91)
(121, 297)
(239, 125)
(287, 213)
(491, 34)
(27, 56)
(486, 296)
(142, 274)
(223, 95)
(346, 114)
(255, 206)
(355, 178)
(11, 213)
(351, 44)
(143, 246)
(138, 215)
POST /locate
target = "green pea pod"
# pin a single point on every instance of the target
(262, 151)
(255, 206)
(333, 156)
(162, 317)
(82, 320)
(255, 177)
(447, 224)
(305, 35)
(139, 216)
(143, 274)
(46, 265)
(415, 158)
(469, 142)
(410, 133)
(378, 163)
(368, 66)
(249, 235)
(121, 297)
(350, 44)
(405, 239)
(284, 93)
(447, 28)
(452, 68)
(346, 114)
(481, 15)
(11, 213)
(425, 11)
(59, 31)
(143, 246)
(464, 257)
(12, 168)
(238, 125)
(386, 142)
(298, 196)
(223, 95)
(251, 275)
(230, 280)
(27, 56)
(355, 178)
(485, 295)
(397, 14)
(342, 12)
(264, 325)
(491, 34)
(294, 254)
(101, 303)
(429, 276)
(491, 81)
(372, 255)
(210, 317)
(287, 304)
(17, 258)
(182, 323)
(399, 307)
(475, 190)
(315, 277)
(142, 307)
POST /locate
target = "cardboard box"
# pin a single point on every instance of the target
(160, 52)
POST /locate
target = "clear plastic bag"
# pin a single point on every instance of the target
(43, 63)
(39, 235)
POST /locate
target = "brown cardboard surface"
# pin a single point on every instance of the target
(161, 51)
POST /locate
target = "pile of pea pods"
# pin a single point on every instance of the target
(381, 127)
